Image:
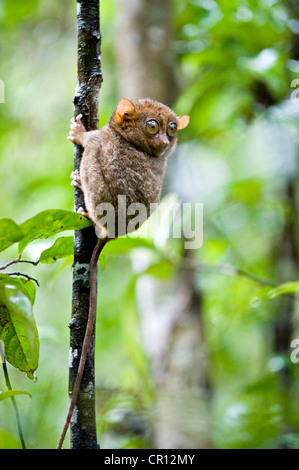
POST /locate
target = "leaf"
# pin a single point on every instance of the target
(17, 328)
(62, 248)
(286, 288)
(24, 285)
(163, 269)
(50, 222)
(102, 261)
(10, 232)
(11, 393)
(247, 191)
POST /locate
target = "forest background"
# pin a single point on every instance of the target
(193, 347)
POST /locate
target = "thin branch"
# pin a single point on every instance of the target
(228, 269)
(88, 333)
(18, 260)
(13, 400)
(231, 271)
(24, 275)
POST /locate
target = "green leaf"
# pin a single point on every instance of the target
(102, 261)
(50, 222)
(246, 191)
(286, 288)
(162, 270)
(24, 285)
(17, 328)
(10, 232)
(62, 248)
(11, 393)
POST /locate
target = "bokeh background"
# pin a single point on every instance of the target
(193, 347)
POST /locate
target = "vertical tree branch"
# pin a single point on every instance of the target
(89, 79)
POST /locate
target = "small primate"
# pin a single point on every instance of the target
(126, 157)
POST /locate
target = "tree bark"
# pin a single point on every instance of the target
(144, 50)
(89, 79)
(283, 328)
(287, 256)
(172, 315)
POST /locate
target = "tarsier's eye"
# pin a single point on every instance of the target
(172, 129)
(152, 127)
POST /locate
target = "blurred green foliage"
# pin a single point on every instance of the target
(238, 157)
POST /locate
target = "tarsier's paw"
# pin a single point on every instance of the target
(77, 130)
(86, 214)
(75, 175)
(83, 212)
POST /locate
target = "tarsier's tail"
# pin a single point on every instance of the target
(93, 268)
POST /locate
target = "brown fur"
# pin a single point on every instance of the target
(122, 158)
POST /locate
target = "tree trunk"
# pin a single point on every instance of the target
(287, 270)
(89, 79)
(173, 332)
(144, 50)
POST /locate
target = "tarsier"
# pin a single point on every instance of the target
(126, 157)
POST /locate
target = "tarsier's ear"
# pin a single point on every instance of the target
(124, 108)
(183, 121)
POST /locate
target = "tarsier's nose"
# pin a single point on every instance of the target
(164, 141)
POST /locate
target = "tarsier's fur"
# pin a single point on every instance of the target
(123, 159)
